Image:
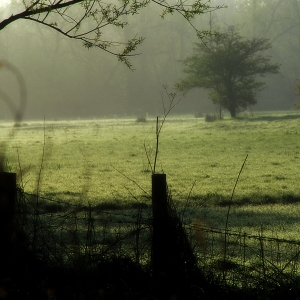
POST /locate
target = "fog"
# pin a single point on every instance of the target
(66, 80)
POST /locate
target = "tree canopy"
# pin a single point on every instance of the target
(85, 20)
(228, 65)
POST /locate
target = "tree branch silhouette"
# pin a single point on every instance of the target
(85, 20)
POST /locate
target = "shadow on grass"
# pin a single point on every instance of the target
(110, 204)
(114, 205)
(219, 200)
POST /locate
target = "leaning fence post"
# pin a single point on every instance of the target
(174, 265)
(160, 245)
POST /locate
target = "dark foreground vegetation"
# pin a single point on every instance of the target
(50, 251)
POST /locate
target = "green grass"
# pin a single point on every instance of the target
(84, 161)
(80, 154)
(273, 220)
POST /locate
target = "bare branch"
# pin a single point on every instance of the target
(172, 104)
(132, 180)
(88, 18)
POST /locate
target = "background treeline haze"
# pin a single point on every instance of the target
(65, 80)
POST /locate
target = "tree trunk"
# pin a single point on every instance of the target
(232, 112)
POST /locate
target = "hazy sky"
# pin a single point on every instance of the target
(65, 80)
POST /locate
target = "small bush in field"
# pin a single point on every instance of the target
(210, 118)
(141, 120)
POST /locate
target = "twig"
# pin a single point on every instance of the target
(172, 104)
(228, 211)
(147, 155)
(41, 164)
(188, 200)
(236, 182)
(36, 213)
(132, 180)
(20, 169)
(157, 144)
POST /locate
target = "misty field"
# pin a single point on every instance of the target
(104, 162)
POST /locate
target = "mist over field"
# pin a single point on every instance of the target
(83, 214)
(66, 80)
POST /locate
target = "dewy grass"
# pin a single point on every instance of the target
(278, 221)
(84, 162)
(82, 158)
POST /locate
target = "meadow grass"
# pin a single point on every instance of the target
(100, 161)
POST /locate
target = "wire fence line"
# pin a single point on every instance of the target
(65, 233)
(247, 260)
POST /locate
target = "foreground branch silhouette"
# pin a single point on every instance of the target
(85, 20)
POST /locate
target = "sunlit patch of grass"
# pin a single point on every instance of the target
(190, 149)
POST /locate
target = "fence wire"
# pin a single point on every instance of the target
(63, 233)
(67, 234)
(246, 260)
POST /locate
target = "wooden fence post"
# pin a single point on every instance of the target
(160, 245)
(7, 196)
(174, 265)
(7, 212)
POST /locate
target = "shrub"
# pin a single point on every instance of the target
(141, 120)
(210, 118)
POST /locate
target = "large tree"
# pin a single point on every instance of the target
(228, 65)
(85, 20)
